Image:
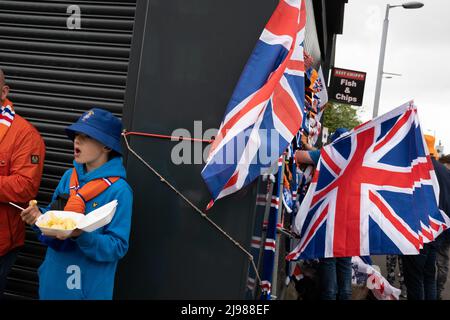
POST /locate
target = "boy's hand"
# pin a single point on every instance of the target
(75, 233)
(30, 214)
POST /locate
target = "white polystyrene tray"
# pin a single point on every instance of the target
(88, 223)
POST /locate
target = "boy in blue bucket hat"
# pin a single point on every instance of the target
(83, 265)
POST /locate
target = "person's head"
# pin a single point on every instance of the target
(430, 140)
(4, 88)
(339, 132)
(445, 160)
(96, 137)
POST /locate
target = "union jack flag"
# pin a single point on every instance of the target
(318, 85)
(374, 192)
(268, 100)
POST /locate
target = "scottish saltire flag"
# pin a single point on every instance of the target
(266, 108)
(374, 192)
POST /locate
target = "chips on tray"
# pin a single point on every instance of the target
(58, 223)
(55, 222)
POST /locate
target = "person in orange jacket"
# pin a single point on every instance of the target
(22, 152)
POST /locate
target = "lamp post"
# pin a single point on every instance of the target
(407, 5)
(389, 75)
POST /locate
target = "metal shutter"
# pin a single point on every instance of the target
(56, 74)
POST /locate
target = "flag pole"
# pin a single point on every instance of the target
(270, 188)
(274, 291)
(262, 208)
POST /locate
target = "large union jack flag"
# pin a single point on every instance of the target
(266, 109)
(374, 192)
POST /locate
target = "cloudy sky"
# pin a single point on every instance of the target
(418, 48)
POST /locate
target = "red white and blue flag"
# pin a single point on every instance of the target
(374, 192)
(266, 109)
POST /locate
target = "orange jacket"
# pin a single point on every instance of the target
(22, 153)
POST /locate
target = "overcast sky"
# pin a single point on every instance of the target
(418, 47)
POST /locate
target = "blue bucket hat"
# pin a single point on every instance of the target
(339, 132)
(100, 125)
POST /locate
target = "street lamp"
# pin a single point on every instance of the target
(407, 5)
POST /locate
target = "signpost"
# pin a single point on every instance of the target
(347, 86)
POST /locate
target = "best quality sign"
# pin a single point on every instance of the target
(347, 86)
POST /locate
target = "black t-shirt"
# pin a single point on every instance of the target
(443, 177)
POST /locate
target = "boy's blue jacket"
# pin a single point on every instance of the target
(84, 268)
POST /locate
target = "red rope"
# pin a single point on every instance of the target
(162, 136)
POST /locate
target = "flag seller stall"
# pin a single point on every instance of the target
(194, 70)
(214, 110)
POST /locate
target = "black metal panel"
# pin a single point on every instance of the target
(185, 67)
(56, 74)
(329, 16)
